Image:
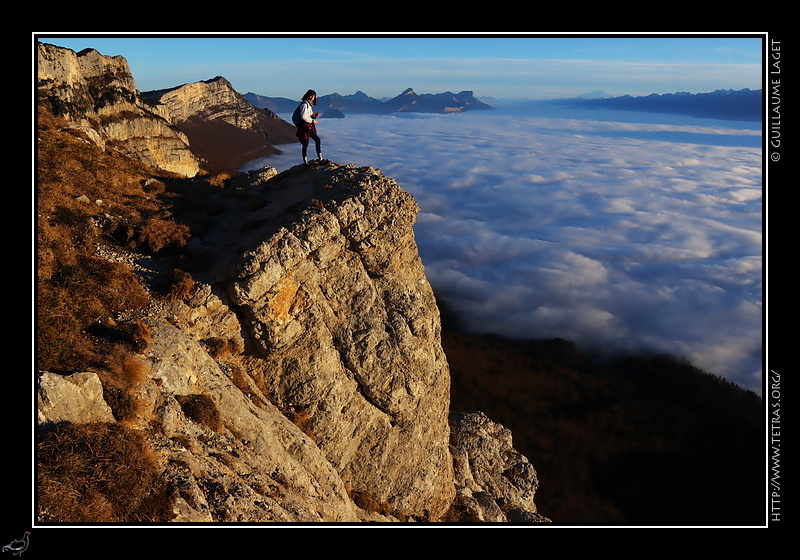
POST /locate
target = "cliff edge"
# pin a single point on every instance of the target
(292, 372)
(300, 375)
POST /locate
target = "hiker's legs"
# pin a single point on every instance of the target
(318, 142)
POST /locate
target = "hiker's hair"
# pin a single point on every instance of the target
(310, 93)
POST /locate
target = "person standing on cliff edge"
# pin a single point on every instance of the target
(305, 120)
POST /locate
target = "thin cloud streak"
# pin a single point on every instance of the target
(607, 233)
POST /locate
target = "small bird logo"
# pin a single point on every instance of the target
(18, 546)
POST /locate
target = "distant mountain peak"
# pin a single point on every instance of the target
(335, 104)
(598, 94)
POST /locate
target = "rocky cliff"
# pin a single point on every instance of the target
(221, 125)
(297, 376)
(98, 94)
(189, 129)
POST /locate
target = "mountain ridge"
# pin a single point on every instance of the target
(223, 128)
(189, 129)
(360, 103)
(744, 104)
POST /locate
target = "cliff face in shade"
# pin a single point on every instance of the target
(221, 125)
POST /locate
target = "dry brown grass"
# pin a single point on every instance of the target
(201, 410)
(123, 379)
(86, 197)
(181, 285)
(99, 473)
(220, 348)
(367, 502)
(158, 234)
(220, 180)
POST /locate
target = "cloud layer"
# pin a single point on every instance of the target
(614, 233)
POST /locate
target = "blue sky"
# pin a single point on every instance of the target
(544, 66)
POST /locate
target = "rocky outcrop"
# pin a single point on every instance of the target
(339, 308)
(494, 482)
(221, 125)
(194, 128)
(242, 459)
(77, 398)
(299, 376)
(98, 92)
(302, 378)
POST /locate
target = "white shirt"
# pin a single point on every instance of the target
(306, 113)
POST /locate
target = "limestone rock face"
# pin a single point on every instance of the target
(71, 398)
(97, 91)
(337, 303)
(302, 379)
(494, 482)
(221, 125)
(204, 126)
(245, 463)
(74, 74)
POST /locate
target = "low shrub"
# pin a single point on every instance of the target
(201, 410)
(99, 473)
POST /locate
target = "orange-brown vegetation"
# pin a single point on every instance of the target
(181, 286)
(86, 198)
(122, 379)
(201, 409)
(96, 473)
(303, 421)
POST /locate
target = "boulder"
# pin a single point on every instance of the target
(71, 398)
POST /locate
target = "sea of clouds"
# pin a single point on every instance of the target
(619, 231)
